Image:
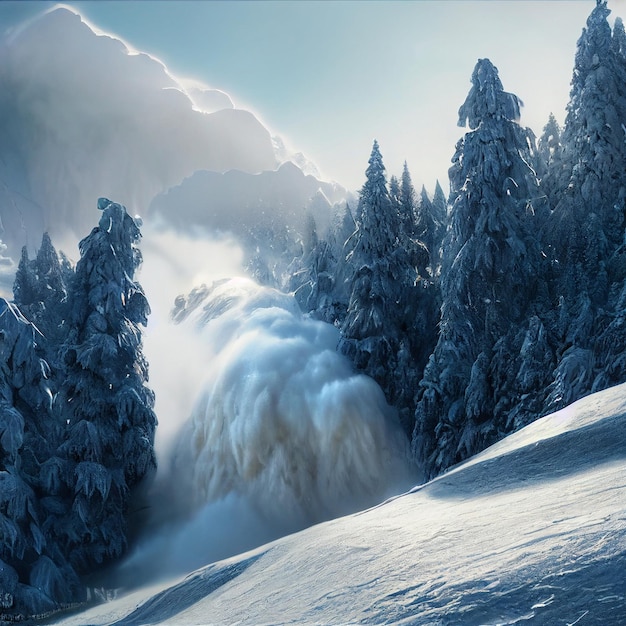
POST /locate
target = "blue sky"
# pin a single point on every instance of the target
(333, 75)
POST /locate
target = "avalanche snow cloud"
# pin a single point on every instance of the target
(83, 115)
(283, 435)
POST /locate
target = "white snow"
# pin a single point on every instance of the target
(531, 531)
(283, 433)
(87, 115)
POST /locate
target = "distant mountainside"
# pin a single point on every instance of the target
(234, 201)
(532, 530)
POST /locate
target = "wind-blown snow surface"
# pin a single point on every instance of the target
(532, 531)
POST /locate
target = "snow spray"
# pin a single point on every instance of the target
(283, 433)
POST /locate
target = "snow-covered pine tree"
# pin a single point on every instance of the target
(431, 224)
(34, 575)
(311, 275)
(408, 202)
(108, 448)
(380, 333)
(299, 275)
(373, 245)
(489, 279)
(25, 286)
(334, 286)
(586, 228)
(40, 291)
(394, 193)
(551, 166)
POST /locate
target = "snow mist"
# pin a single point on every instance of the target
(283, 434)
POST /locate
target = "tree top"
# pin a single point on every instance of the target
(487, 98)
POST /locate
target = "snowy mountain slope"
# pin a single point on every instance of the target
(237, 201)
(531, 531)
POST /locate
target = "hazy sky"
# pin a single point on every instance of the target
(330, 76)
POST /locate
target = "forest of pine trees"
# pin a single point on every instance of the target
(476, 314)
(76, 420)
(507, 301)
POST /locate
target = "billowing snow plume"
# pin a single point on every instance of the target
(283, 419)
(83, 115)
(283, 435)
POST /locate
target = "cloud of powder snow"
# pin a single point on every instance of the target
(282, 434)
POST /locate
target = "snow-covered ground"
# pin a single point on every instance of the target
(531, 531)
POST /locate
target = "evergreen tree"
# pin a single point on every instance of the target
(40, 291)
(594, 146)
(34, 575)
(108, 448)
(586, 228)
(551, 165)
(310, 276)
(378, 334)
(394, 193)
(25, 288)
(431, 225)
(488, 282)
(375, 241)
(334, 297)
(407, 202)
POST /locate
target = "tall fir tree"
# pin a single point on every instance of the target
(104, 399)
(407, 204)
(586, 228)
(593, 183)
(379, 332)
(551, 164)
(40, 291)
(489, 278)
(333, 305)
(431, 225)
(35, 576)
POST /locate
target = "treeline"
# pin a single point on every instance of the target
(507, 301)
(76, 420)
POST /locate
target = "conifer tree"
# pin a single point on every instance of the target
(431, 224)
(25, 289)
(40, 291)
(332, 305)
(489, 273)
(594, 146)
(378, 334)
(107, 407)
(407, 194)
(586, 228)
(375, 240)
(394, 193)
(34, 575)
(551, 165)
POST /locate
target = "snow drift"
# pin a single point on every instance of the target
(531, 531)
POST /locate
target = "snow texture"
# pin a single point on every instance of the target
(530, 531)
